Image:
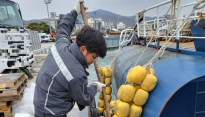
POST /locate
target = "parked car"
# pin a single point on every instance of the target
(44, 37)
(51, 39)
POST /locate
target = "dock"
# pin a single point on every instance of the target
(112, 41)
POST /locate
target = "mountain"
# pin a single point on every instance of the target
(106, 16)
(112, 17)
(31, 21)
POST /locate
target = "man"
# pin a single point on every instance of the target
(62, 80)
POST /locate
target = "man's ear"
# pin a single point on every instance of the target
(83, 50)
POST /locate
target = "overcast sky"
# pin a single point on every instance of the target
(36, 9)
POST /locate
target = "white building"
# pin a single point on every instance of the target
(109, 25)
(100, 20)
(120, 25)
(91, 22)
(79, 24)
(98, 24)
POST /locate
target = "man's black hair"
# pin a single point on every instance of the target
(93, 40)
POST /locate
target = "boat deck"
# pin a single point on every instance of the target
(186, 45)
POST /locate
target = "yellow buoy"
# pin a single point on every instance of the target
(135, 111)
(102, 71)
(101, 103)
(108, 81)
(104, 113)
(100, 96)
(140, 97)
(112, 104)
(103, 79)
(116, 104)
(152, 70)
(129, 79)
(109, 97)
(108, 72)
(138, 74)
(119, 93)
(100, 110)
(108, 90)
(123, 109)
(149, 82)
(128, 93)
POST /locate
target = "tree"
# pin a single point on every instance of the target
(41, 27)
(33, 26)
(108, 31)
(104, 34)
(76, 32)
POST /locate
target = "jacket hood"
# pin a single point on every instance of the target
(78, 55)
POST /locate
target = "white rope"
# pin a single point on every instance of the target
(194, 8)
(149, 64)
(171, 24)
(164, 46)
(154, 32)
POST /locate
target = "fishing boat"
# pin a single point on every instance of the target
(180, 71)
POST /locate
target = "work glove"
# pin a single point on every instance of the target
(99, 86)
(77, 6)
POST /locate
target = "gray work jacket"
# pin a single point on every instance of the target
(62, 79)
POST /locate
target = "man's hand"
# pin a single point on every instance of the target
(77, 6)
(99, 86)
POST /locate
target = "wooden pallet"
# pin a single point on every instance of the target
(4, 106)
(8, 112)
(16, 90)
(15, 93)
(13, 98)
(10, 80)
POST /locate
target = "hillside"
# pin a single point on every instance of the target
(31, 21)
(106, 16)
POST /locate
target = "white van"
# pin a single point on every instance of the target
(44, 37)
(51, 39)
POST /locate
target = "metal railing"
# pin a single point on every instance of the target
(179, 19)
(40, 55)
(124, 34)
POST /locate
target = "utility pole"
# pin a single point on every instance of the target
(48, 2)
(109, 24)
(118, 21)
(94, 13)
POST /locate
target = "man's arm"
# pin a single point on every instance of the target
(80, 93)
(66, 25)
